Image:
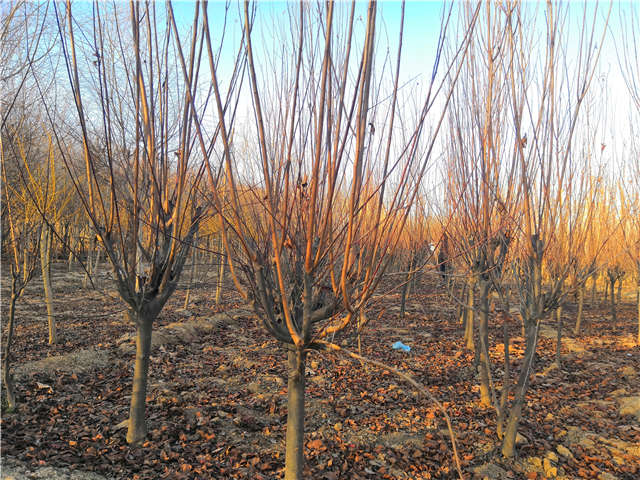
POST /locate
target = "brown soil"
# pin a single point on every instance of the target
(217, 396)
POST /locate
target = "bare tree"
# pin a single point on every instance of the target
(25, 41)
(630, 204)
(584, 262)
(141, 181)
(22, 245)
(628, 53)
(480, 168)
(615, 255)
(416, 250)
(29, 167)
(547, 116)
(308, 237)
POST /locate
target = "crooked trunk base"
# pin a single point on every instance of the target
(515, 412)
(509, 440)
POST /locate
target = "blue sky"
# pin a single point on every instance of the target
(422, 24)
(422, 27)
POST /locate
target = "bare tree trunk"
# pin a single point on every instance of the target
(468, 327)
(193, 271)
(6, 367)
(96, 262)
(483, 335)
(65, 247)
(614, 318)
(638, 297)
(72, 246)
(88, 267)
(505, 381)
(559, 338)
(620, 280)
(294, 457)
(515, 413)
(220, 283)
(25, 265)
(415, 274)
(137, 420)
(362, 321)
(405, 289)
(580, 308)
(213, 256)
(638, 305)
(594, 283)
(45, 263)
(462, 311)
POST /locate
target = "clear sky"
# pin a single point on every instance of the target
(421, 31)
(422, 26)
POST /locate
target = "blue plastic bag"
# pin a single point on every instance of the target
(401, 346)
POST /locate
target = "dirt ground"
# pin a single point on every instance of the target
(217, 396)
